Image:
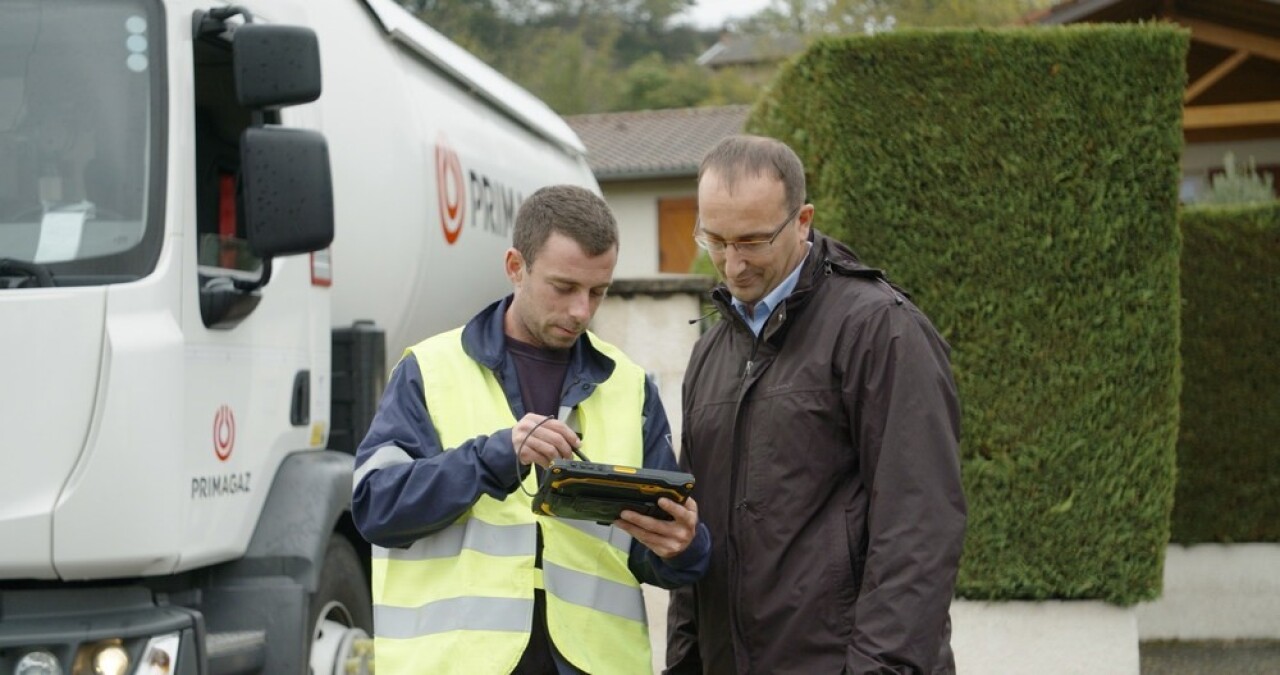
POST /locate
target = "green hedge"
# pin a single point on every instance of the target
(1229, 445)
(1022, 185)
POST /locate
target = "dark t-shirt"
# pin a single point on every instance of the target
(541, 374)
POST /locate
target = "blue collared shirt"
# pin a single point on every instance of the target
(767, 304)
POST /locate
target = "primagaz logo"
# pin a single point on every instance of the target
(449, 184)
(492, 205)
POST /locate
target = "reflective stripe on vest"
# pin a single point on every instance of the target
(461, 600)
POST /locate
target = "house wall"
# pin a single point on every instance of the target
(649, 319)
(635, 205)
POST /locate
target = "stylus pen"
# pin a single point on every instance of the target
(570, 417)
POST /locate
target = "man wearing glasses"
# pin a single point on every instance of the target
(822, 423)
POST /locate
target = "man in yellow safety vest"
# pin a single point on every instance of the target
(466, 579)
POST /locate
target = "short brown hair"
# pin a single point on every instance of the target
(743, 155)
(573, 211)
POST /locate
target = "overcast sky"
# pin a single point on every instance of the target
(712, 14)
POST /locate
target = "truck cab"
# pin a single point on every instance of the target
(215, 220)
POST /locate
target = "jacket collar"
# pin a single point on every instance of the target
(484, 339)
(826, 255)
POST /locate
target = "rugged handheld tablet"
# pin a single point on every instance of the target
(600, 492)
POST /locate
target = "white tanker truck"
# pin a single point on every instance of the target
(200, 256)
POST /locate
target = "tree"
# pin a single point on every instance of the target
(588, 55)
(605, 55)
(652, 83)
(476, 26)
(569, 70)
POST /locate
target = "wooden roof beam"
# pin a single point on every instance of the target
(1230, 38)
(1230, 115)
(1217, 73)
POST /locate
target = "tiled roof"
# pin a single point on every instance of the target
(654, 143)
(735, 49)
(1066, 11)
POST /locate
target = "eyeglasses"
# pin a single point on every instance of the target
(716, 245)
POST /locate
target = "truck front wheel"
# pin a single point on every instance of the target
(342, 613)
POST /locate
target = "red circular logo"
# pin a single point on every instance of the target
(450, 188)
(224, 432)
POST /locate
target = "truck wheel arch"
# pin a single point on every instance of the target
(310, 499)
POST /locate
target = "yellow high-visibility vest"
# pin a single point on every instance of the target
(461, 599)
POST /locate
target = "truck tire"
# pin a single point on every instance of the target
(341, 613)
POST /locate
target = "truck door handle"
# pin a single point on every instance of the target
(300, 406)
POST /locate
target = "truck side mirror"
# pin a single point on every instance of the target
(286, 190)
(275, 66)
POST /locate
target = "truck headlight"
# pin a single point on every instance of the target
(110, 659)
(39, 662)
(104, 657)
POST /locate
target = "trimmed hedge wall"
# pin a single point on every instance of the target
(1022, 185)
(1229, 447)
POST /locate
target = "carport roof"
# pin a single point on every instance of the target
(1233, 64)
(1258, 16)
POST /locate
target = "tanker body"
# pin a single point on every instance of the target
(218, 223)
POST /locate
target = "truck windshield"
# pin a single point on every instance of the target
(81, 117)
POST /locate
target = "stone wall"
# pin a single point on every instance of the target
(649, 319)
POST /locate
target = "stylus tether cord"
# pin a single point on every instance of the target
(519, 480)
